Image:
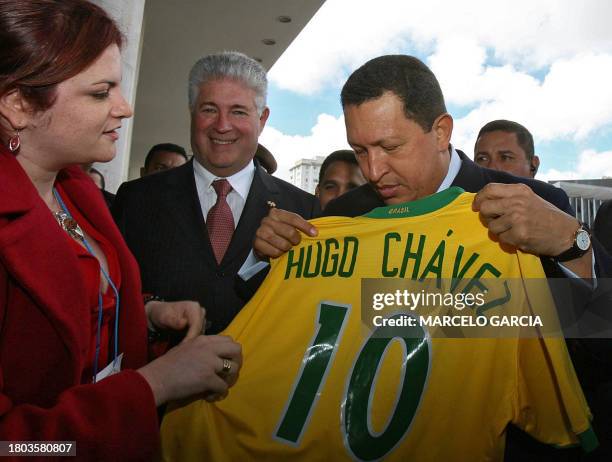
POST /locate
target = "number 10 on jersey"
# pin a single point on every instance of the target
(358, 437)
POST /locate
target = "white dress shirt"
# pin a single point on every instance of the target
(241, 184)
(453, 171)
(236, 199)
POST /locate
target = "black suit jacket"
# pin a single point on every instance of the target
(592, 358)
(602, 227)
(161, 219)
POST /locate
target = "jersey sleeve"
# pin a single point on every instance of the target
(550, 404)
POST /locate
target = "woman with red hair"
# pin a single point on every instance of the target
(73, 329)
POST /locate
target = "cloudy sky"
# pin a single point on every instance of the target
(546, 64)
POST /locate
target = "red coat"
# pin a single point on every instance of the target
(45, 330)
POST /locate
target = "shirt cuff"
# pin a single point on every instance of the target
(251, 266)
(570, 274)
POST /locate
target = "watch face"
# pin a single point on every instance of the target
(583, 240)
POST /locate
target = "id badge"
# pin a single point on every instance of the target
(112, 368)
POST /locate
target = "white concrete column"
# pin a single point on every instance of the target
(129, 15)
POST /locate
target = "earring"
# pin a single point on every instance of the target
(14, 142)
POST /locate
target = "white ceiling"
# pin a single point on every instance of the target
(178, 33)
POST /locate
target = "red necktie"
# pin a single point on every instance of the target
(220, 221)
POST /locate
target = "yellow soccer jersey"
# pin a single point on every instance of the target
(316, 385)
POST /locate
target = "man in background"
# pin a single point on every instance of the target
(506, 146)
(162, 157)
(339, 173)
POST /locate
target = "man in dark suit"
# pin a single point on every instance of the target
(191, 228)
(397, 124)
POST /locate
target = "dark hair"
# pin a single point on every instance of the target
(99, 173)
(524, 138)
(343, 155)
(164, 147)
(44, 42)
(406, 77)
(266, 159)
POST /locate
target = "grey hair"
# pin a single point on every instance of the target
(233, 65)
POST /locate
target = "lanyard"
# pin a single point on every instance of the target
(111, 284)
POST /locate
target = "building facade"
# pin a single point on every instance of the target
(305, 173)
(586, 196)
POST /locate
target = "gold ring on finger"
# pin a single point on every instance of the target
(227, 366)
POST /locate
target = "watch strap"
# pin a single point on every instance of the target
(574, 251)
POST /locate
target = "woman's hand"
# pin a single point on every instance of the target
(177, 316)
(207, 364)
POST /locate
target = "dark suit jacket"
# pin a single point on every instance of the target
(161, 219)
(602, 227)
(108, 197)
(45, 329)
(592, 357)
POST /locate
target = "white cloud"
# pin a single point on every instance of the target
(545, 64)
(573, 101)
(326, 136)
(344, 34)
(590, 164)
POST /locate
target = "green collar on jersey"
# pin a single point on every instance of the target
(418, 207)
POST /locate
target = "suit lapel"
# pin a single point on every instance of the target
(470, 176)
(256, 208)
(38, 256)
(183, 207)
